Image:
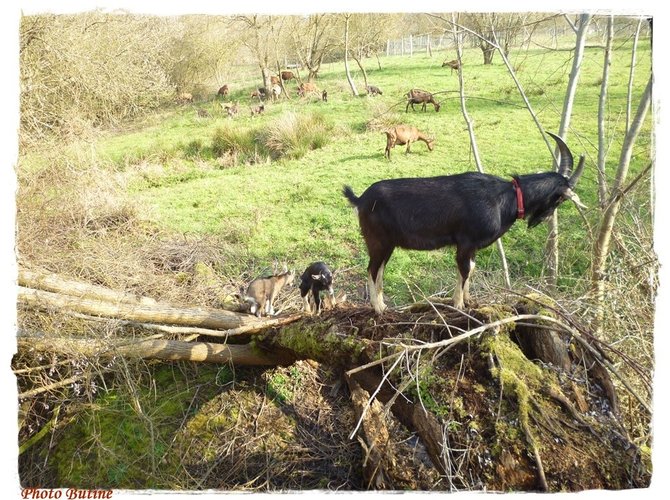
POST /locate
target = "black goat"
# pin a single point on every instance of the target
(469, 210)
(316, 278)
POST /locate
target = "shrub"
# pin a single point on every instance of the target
(242, 144)
(292, 135)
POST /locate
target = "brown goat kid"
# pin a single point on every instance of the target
(232, 109)
(258, 110)
(262, 293)
(307, 88)
(416, 96)
(405, 134)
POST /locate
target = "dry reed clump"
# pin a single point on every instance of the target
(292, 135)
(74, 219)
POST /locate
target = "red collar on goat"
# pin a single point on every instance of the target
(520, 211)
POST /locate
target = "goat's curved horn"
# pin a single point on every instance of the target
(578, 172)
(565, 166)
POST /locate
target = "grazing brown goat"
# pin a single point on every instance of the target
(307, 87)
(416, 96)
(405, 134)
(287, 75)
(454, 64)
(223, 91)
(231, 110)
(257, 110)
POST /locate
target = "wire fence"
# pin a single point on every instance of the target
(411, 44)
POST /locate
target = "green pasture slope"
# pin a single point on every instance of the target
(291, 208)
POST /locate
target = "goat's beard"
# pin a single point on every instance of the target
(536, 219)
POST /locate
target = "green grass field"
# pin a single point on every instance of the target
(216, 176)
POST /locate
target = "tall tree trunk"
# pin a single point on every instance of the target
(602, 110)
(632, 73)
(360, 65)
(346, 55)
(265, 73)
(488, 52)
(602, 245)
(473, 139)
(551, 249)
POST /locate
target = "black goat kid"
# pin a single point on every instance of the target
(316, 278)
(469, 210)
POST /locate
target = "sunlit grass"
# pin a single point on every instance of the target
(292, 208)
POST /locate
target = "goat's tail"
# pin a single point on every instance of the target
(251, 303)
(349, 194)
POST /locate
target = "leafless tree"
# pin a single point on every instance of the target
(581, 30)
(602, 110)
(458, 41)
(347, 19)
(258, 31)
(506, 26)
(313, 38)
(606, 226)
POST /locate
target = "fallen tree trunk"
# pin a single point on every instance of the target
(49, 282)
(384, 358)
(169, 350)
(156, 313)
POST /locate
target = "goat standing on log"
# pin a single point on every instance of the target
(316, 278)
(416, 96)
(469, 210)
(262, 293)
(405, 134)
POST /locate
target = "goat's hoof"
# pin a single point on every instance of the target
(380, 309)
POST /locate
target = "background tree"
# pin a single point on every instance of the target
(347, 19)
(314, 37)
(506, 27)
(92, 69)
(367, 34)
(196, 54)
(257, 35)
(581, 30)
